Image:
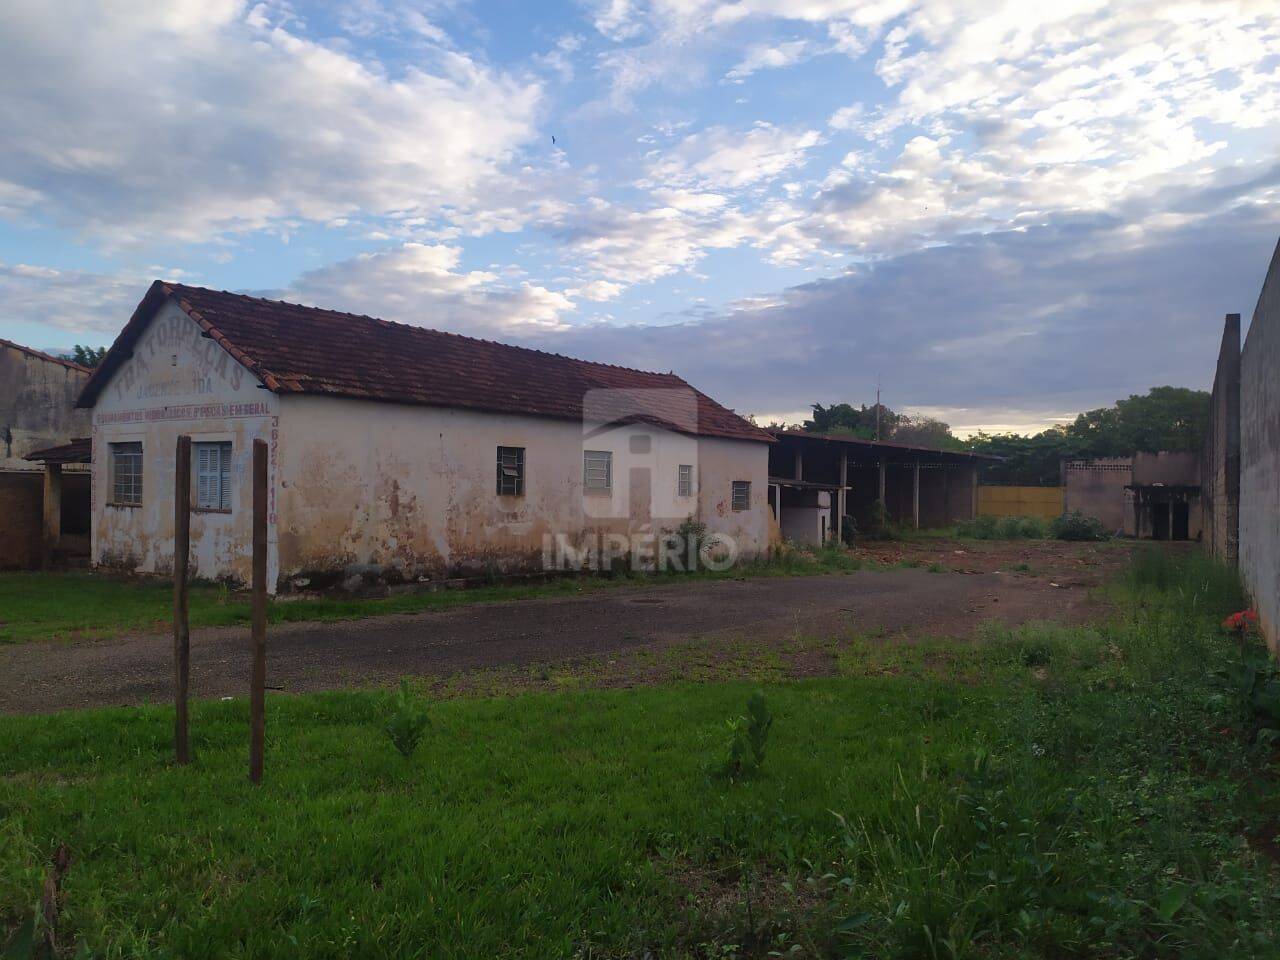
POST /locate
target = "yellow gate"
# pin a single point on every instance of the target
(1043, 502)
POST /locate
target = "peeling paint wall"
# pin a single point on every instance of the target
(177, 382)
(413, 490)
(37, 406)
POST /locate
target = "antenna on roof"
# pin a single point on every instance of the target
(877, 407)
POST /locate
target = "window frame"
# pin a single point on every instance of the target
(517, 464)
(116, 455)
(222, 502)
(684, 480)
(598, 485)
(735, 486)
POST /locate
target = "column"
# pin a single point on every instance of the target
(52, 512)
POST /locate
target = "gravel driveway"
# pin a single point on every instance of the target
(39, 677)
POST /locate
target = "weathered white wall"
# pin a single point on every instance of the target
(179, 382)
(1260, 456)
(37, 406)
(388, 486)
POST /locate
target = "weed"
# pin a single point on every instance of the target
(1076, 526)
(748, 735)
(407, 721)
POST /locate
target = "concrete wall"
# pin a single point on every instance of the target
(37, 406)
(1097, 489)
(1260, 456)
(1220, 466)
(412, 489)
(1168, 467)
(179, 382)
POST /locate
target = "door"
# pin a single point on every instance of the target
(1160, 521)
(1181, 521)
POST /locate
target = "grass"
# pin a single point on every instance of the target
(52, 606)
(1049, 791)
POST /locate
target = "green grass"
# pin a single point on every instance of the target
(1048, 791)
(43, 606)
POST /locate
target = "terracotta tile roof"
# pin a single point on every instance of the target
(308, 350)
(41, 355)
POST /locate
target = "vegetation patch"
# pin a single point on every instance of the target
(1043, 791)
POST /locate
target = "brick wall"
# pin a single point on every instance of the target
(21, 520)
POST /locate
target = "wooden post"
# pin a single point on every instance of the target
(915, 499)
(842, 496)
(181, 628)
(52, 532)
(884, 505)
(258, 633)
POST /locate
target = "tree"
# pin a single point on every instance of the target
(926, 432)
(85, 356)
(858, 421)
(1164, 418)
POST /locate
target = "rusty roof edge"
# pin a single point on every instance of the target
(269, 380)
(41, 355)
(339, 393)
(887, 444)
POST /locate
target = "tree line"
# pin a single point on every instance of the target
(1164, 418)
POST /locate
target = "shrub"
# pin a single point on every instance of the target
(1032, 528)
(407, 721)
(1076, 526)
(981, 527)
(748, 735)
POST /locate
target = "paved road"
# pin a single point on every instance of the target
(41, 677)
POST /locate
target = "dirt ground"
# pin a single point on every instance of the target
(935, 588)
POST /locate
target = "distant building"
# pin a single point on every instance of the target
(1152, 496)
(37, 410)
(396, 452)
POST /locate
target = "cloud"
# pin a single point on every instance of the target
(421, 284)
(72, 302)
(719, 157)
(1016, 328)
(768, 57)
(194, 119)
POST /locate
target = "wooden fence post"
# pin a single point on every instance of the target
(181, 627)
(258, 635)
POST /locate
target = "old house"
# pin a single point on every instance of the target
(397, 451)
(42, 511)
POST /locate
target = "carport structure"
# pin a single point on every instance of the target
(815, 479)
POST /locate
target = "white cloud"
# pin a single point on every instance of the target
(192, 119)
(421, 284)
(71, 302)
(768, 57)
(719, 157)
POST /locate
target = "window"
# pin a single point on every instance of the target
(742, 494)
(126, 473)
(213, 475)
(684, 480)
(597, 469)
(511, 471)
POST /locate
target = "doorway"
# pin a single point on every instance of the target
(1181, 521)
(1160, 521)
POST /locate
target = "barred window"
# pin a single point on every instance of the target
(126, 473)
(742, 495)
(684, 480)
(213, 475)
(511, 471)
(597, 469)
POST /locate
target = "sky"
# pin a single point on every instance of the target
(1004, 213)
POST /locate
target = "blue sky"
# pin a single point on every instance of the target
(1007, 212)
